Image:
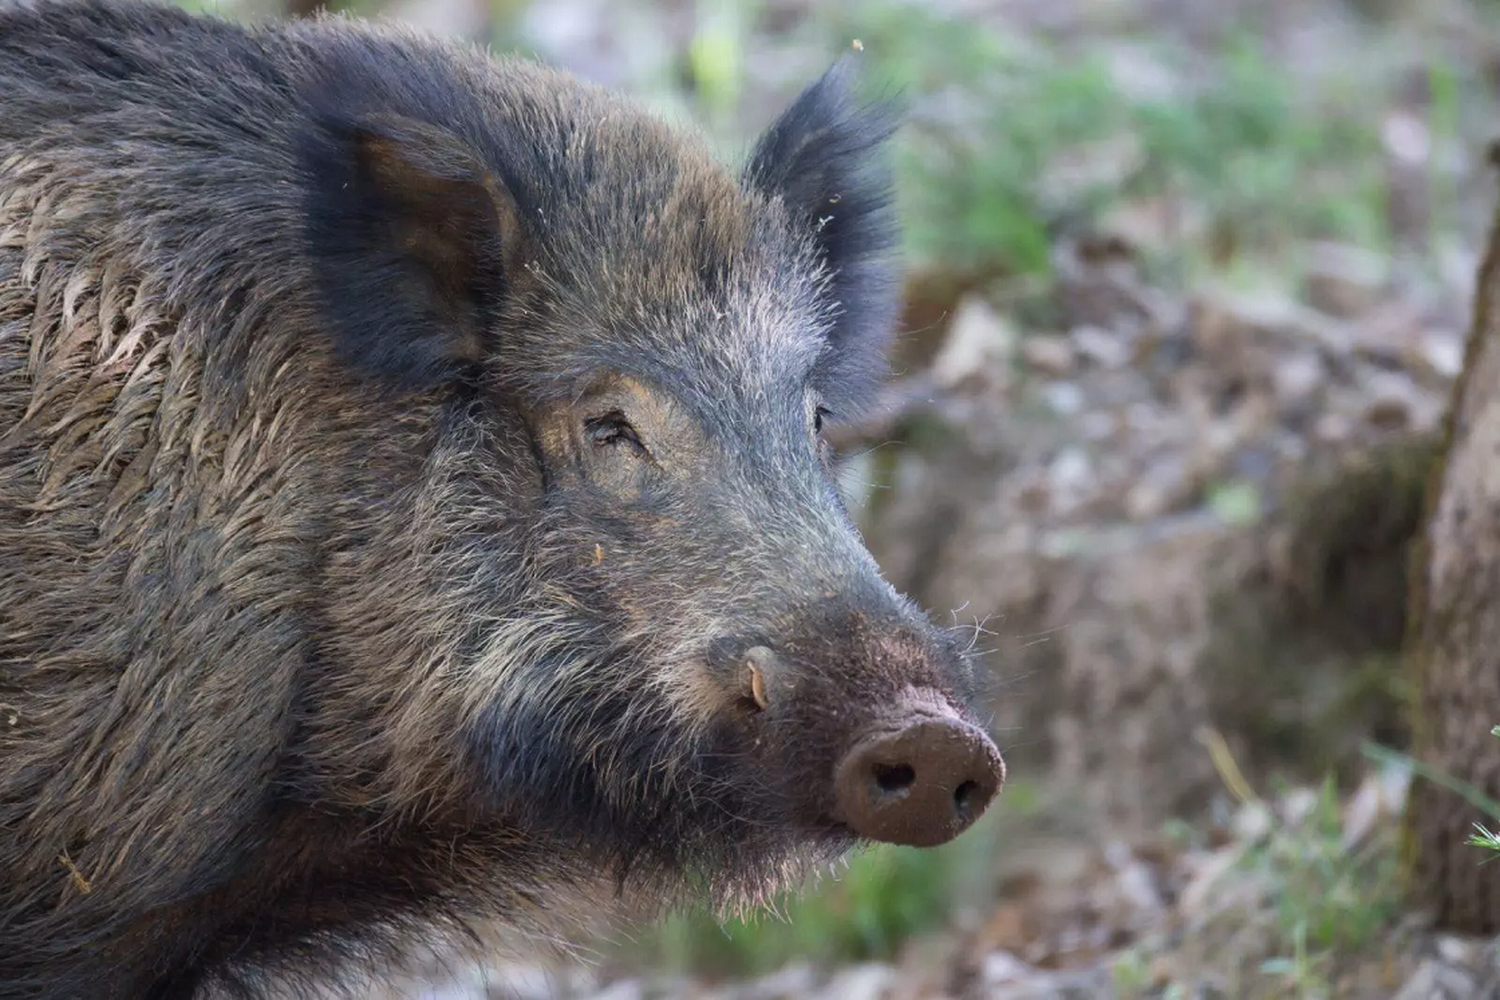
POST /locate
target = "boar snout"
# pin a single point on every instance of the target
(918, 776)
(912, 769)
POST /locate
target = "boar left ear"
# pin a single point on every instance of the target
(823, 158)
(413, 242)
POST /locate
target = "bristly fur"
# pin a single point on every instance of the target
(817, 156)
(331, 622)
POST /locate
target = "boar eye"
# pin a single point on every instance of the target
(818, 415)
(612, 429)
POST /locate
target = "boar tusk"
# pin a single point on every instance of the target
(757, 685)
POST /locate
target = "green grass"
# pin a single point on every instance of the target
(1314, 909)
(1327, 899)
(1014, 139)
(1269, 160)
(886, 896)
(1483, 837)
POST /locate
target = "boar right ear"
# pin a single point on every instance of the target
(413, 243)
(822, 157)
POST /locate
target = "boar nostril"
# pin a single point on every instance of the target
(949, 772)
(894, 779)
(963, 793)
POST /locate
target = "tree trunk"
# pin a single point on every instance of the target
(1455, 651)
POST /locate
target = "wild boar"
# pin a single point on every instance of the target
(414, 507)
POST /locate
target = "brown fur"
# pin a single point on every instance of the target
(306, 645)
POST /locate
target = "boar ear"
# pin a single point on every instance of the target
(413, 242)
(823, 158)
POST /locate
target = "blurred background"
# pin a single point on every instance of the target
(1188, 288)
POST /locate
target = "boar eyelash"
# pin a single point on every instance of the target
(612, 428)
